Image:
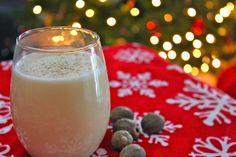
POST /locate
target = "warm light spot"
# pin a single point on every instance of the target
(195, 71)
(230, 5)
(37, 9)
(219, 18)
(156, 3)
(171, 54)
(103, 1)
(210, 16)
(210, 38)
(80, 4)
(90, 13)
(187, 68)
(216, 63)
(57, 38)
(209, 4)
(111, 21)
(76, 24)
(168, 17)
(177, 39)
(162, 54)
(221, 31)
(224, 12)
(206, 59)
(205, 67)
(73, 32)
(197, 53)
(134, 11)
(154, 40)
(197, 44)
(151, 25)
(167, 45)
(189, 36)
(191, 12)
(185, 55)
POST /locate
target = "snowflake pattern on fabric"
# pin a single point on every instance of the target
(141, 83)
(214, 103)
(161, 138)
(213, 147)
(134, 55)
(4, 150)
(100, 152)
(5, 114)
(175, 67)
(6, 65)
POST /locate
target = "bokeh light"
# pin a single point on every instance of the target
(197, 53)
(167, 45)
(185, 55)
(210, 38)
(171, 54)
(189, 36)
(216, 63)
(191, 12)
(80, 4)
(177, 39)
(156, 3)
(134, 11)
(197, 44)
(37, 9)
(162, 54)
(205, 67)
(111, 21)
(187, 68)
(89, 13)
(154, 40)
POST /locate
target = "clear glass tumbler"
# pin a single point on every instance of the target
(59, 92)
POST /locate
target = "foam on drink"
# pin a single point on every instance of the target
(60, 103)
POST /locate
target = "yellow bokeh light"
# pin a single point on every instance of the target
(111, 21)
(80, 4)
(216, 63)
(205, 67)
(185, 55)
(189, 36)
(73, 32)
(230, 5)
(206, 59)
(168, 17)
(221, 31)
(224, 12)
(162, 54)
(197, 53)
(209, 4)
(167, 45)
(154, 40)
(210, 16)
(90, 13)
(134, 11)
(210, 38)
(103, 1)
(219, 18)
(156, 3)
(195, 71)
(177, 39)
(191, 12)
(187, 68)
(76, 24)
(197, 44)
(171, 54)
(37, 9)
(57, 38)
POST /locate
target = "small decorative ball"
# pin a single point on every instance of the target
(128, 125)
(152, 123)
(120, 139)
(133, 150)
(121, 112)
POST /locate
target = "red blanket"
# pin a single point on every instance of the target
(200, 120)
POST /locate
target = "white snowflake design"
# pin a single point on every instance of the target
(174, 67)
(6, 65)
(4, 150)
(213, 147)
(134, 55)
(100, 152)
(161, 138)
(214, 103)
(141, 83)
(5, 114)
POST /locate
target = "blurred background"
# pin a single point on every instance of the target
(198, 35)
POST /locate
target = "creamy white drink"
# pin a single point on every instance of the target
(60, 103)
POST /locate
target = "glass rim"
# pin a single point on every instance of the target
(31, 48)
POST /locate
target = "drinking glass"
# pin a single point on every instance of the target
(59, 92)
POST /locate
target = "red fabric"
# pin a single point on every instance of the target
(200, 120)
(227, 81)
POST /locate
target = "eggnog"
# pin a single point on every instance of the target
(60, 103)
